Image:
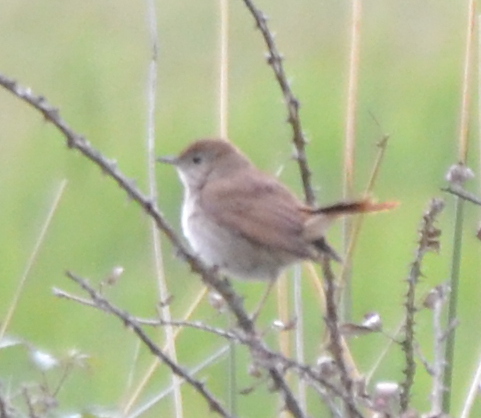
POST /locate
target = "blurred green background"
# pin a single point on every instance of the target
(91, 59)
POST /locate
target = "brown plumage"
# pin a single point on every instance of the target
(245, 221)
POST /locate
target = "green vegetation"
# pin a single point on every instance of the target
(91, 60)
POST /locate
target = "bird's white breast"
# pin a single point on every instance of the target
(226, 249)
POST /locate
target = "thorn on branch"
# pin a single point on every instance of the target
(113, 164)
(263, 18)
(296, 105)
(273, 58)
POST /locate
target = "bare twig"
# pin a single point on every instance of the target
(463, 194)
(291, 403)
(157, 322)
(428, 241)
(275, 60)
(335, 339)
(190, 324)
(60, 293)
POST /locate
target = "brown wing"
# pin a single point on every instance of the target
(259, 208)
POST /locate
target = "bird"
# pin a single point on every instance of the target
(244, 221)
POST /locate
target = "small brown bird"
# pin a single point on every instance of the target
(244, 221)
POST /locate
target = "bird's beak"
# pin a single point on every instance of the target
(168, 160)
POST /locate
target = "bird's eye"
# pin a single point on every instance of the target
(196, 159)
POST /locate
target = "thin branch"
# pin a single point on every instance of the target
(335, 339)
(275, 60)
(191, 324)
(157, 322)
(463, 194)
(104, 304)
(62, 294)
(428, 241)
(291, 403)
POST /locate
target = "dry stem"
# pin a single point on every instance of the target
(428, 241)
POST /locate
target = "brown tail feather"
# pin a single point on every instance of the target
(315, 226)
(360, 206)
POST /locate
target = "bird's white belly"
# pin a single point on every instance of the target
(228, 250)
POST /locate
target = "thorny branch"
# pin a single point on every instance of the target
(275, 60)
(335, 344)
(209, 276)
(265, 357)
(428, 241)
